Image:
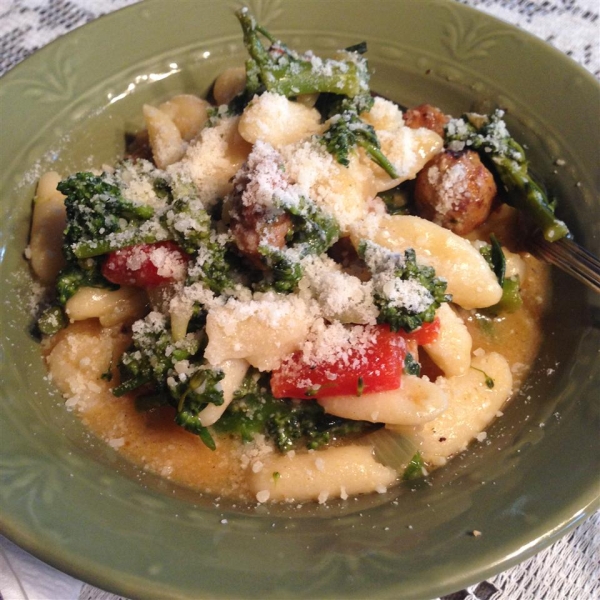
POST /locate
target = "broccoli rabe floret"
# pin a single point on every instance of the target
(285, 270)
(347, 131)
(188, 223)
(312, 232)
(489, 136)
(52, 320)
(213, 264)
(407, 294)
(77, 274)
(287, 423)
(149, 366)
(153, 355)
(278, 69)
(99, 218)
(193, 395)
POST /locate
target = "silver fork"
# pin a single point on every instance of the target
(570, 257)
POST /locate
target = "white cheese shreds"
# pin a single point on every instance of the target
(135, 181)
(263, 179)
(340, 191)
(340, 296)
(214, 158)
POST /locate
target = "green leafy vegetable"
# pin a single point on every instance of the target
(489, 382)
(346, 132)
(511, 299)
(407, 294)
(99, 219)
(278, 69)
(148, 367)
(52, 320)
(312, 232)
(494, 256)
(398, 200)
(411, 366)
(288, 423)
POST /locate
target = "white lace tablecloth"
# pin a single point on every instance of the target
(569, 569)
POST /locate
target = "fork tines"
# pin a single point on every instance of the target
(570, 257)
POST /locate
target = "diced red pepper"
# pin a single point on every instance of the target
(426, 334)
(376, 367)
(146, 265)
(373, 367)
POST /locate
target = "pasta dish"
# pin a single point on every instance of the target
(294, 290)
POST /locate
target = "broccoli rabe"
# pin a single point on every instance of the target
(489, 136)
(194, 394)
(83, 273)
(511, 299)
(213, 264)
(153, 355)
(187, 222)
(347, 131)
(149, 367)
(287, 423)
(494, 257)
(399, 200)
(407, 294)
(52, 320)
(411, 366)
(285, 270)
(280, 70)
(343, 85)
(312, 232)
(99, 219)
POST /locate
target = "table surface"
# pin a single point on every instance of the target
(570, 568)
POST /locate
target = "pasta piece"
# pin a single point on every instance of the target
(188, 112)
(417, 401)
(321, 475)
(471, 408)
(343, 191)
(47, 226)
(470, 280)
(166, 142)
(406, 148)
(214, 158)
(274, 119)
(125, 305)
(79, 357)
(451, 351)
(229, 84)
(384, 115)
(261, 332)
(235, 371)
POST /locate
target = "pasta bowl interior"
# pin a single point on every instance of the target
(75, 502)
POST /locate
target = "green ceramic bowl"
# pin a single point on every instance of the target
(73, 502)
